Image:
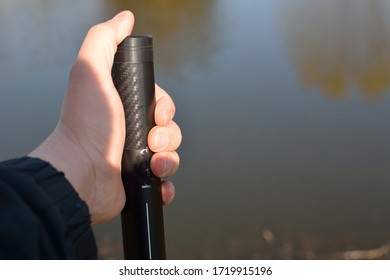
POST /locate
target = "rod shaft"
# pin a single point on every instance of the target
(142, 216)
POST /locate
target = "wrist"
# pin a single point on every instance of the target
(66, 156)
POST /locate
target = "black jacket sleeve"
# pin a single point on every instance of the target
(41, 215)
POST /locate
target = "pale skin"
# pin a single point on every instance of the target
(88, 140)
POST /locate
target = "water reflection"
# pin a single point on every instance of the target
(182, 29)
(340, 45)
(43, 32)
(39, 41)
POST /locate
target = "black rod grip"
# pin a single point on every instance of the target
(142, 216)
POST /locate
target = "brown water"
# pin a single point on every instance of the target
(283, 105)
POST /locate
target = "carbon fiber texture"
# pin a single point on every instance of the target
(142, 216)
(133, 85)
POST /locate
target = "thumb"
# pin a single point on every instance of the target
(100, 44)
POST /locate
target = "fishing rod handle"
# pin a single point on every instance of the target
(142, 216)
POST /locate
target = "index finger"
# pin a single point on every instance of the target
(165, 108)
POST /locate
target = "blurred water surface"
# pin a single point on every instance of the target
(283, 105)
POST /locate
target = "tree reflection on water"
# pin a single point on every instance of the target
(181, 29)
(338, 45)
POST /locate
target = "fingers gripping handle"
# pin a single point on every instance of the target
(142, 216)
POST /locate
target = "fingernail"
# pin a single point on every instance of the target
(167, 167)
(161, 141)
(171, 197)
(172, 192)
(121, 15)
(167, 117)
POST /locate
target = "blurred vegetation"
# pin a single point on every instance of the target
(182, 30)
(340, 44)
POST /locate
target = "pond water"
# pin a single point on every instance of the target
(283, 105)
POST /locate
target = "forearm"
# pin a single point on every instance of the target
(41, 216)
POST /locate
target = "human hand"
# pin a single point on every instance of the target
(88, 141)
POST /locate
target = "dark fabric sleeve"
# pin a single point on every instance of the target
(41, 215)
